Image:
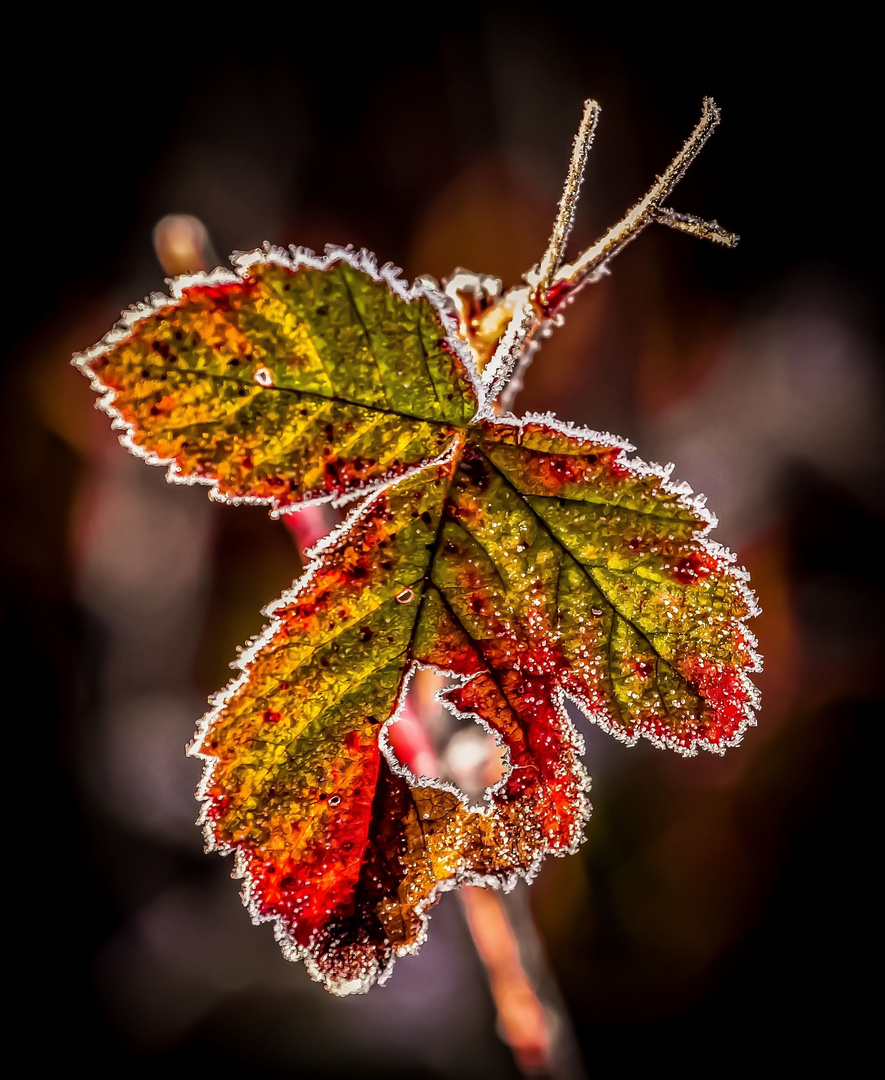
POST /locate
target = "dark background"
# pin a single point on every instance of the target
(718, 916)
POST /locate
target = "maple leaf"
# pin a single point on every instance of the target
(531, 561)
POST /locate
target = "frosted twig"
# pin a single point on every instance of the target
(650, 208)
(565, 216)
(514, 344)
(704, 230)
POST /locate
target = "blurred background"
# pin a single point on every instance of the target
(717, 916)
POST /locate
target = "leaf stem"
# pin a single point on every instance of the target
(522, 1020)
(531, 1019)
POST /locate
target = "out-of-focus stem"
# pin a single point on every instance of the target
(523, 1022)
(182, 244)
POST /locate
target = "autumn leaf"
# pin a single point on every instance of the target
(283, 388)
(531, 561)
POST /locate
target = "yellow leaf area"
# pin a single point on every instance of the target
(287, 383)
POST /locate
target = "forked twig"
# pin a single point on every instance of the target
(504, 336)
(651, 208)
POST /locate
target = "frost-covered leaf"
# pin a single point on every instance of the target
(531, 561)
(293, 379)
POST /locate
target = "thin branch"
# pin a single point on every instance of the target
(704, 230)
(513, 344)
(531, 1019)
(182, 245)
(565, 217)
(574, 275)
(523, 1024)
